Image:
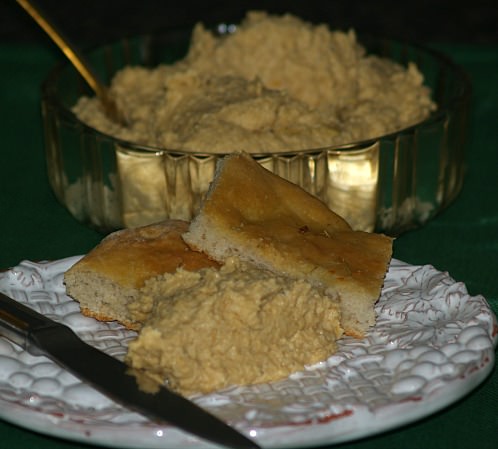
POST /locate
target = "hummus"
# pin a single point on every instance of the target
(239, 325)
(276, 84)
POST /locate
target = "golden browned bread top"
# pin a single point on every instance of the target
(131, 256)
(278, 224)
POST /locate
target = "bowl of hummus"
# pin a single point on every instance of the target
(374, 128)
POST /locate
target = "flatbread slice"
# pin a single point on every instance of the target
(258, 216)
(107, 280)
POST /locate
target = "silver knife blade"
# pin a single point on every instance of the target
(40, 335)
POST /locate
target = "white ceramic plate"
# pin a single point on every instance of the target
(432, 344)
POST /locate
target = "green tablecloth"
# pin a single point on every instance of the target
(463, 240)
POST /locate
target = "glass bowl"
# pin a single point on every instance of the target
(389, 184)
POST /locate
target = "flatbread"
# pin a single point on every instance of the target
(258, 216)
(107, 280)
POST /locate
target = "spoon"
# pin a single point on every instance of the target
(77, 59)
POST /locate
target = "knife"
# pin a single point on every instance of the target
(40, 335)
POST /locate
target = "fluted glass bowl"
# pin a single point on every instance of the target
(388, 184)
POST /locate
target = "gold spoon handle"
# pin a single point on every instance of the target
(75, 56)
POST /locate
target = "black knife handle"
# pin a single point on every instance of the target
(18, 322)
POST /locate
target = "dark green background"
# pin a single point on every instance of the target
(462, 240)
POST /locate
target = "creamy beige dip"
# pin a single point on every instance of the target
(277, 83)
(239, 325)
